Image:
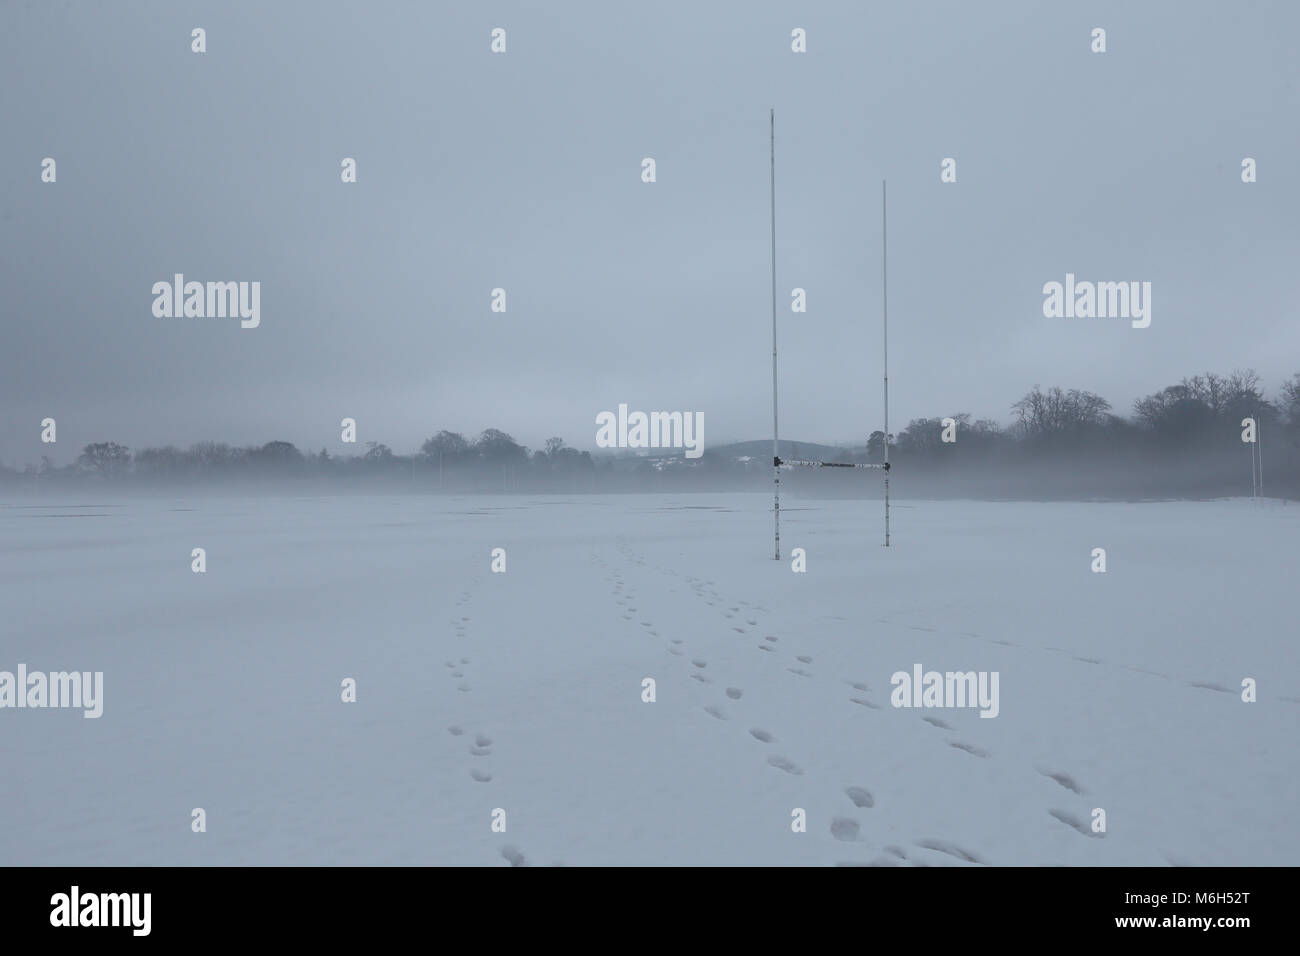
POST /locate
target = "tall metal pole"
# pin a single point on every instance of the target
(884, 272)
(1254, 487)
(776, 456)
(1259, 450)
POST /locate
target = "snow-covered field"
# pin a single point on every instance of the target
(523, 690)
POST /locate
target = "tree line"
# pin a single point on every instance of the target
(493, 458)
(1184, 439)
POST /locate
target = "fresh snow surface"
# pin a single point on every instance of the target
(523, 691)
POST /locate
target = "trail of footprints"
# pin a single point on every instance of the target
(1065, 780)
(477, 745)
(740, 614)
(624, 597)
(480, 745)
(705, 590)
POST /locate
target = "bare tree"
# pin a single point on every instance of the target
(1056, 411)
(107, 459)
(1291, 399)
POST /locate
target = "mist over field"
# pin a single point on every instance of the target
(1201, 438)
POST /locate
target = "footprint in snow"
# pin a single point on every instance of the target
(942, 846)
(782, 763)
(1070, 820)
(842, 828)
(860, 797)
(1065, 780)
(514, 856)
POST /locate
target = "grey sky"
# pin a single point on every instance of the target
(523, 171)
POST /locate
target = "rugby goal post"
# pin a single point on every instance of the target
(777, 461)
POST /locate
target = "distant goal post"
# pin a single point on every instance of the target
(777, 461)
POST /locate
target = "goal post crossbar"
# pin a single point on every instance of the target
(785, 462)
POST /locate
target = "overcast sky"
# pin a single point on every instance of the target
(523, 171)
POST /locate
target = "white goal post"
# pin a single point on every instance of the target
(777, 461)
